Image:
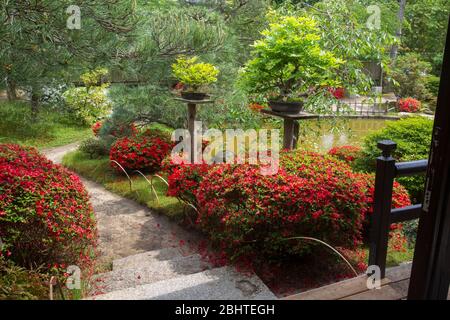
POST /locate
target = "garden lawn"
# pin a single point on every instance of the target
(58, 135)
(48, 129)
(100, 171)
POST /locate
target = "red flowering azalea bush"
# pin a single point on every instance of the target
(409, 105)
(347, 154)
(45, 215)
(338, 93)
(400, 196)
(177, 161)
(185, 180)
(96, 128)
(144, 152)
(250, 214)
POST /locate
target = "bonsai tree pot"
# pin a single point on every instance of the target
(286, 107)
(193, 95)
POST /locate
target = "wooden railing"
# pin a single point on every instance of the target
(383, 216)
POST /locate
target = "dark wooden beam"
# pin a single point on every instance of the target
(430, 276)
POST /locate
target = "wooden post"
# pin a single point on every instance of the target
(430, 275)
(192, 112)
(381, 216)
(296, 133)
(288, 137)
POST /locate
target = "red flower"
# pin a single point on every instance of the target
(46, 202)
(346, 153)
(338, 93)
(96, 128)
(409, 105)
(144, 152)
(251, 215)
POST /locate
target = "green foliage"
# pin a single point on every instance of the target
(344, 31)
(38, 47)
(47, 129)
(89, 103)
(17, 283)
(426, 28)
(95, 148)
(413, 138)
(411, 74)
(147, 104)
(18, 122)
(432, 84)
(289, 60)
(194, 74)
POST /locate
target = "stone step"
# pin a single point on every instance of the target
(217, 284)
(147, 273)
(146, 258)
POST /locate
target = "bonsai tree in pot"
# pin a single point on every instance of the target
(288, 64)
(194, 76)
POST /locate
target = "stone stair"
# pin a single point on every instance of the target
(168, 275)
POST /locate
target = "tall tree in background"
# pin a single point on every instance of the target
(400, 16)
(38, 48)
(426, 28)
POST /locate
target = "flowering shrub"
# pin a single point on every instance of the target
(249, 213)
(45, 215)
(409, 105)
(144, 152)
(89, 102)
(124, 130)
(96, 128)
(256, 107)
(338, 93)
(115, 130)
(185, 180)
(347, 154)
(177, 161)
(400, 197)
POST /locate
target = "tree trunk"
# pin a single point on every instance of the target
(34, 103)
(11, 89)
(400, 16)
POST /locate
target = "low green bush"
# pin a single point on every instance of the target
(17, 283)
(95, 148)
(413, 138)
(432, 85)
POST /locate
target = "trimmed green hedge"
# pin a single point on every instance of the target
(413, 138)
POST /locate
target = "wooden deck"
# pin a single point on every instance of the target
(393, 287)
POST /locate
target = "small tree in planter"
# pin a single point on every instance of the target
(288, 64)
(195, 76)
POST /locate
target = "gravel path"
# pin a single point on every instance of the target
(125, 227)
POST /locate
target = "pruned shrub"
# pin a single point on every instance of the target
(95, 148)
(96, 128)
(115, 129)
(144, 152)
(250, 214)
(413, 138)
(409, 105)
(400, 196)
(45, 215)
(90, 102)
(185, 179)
